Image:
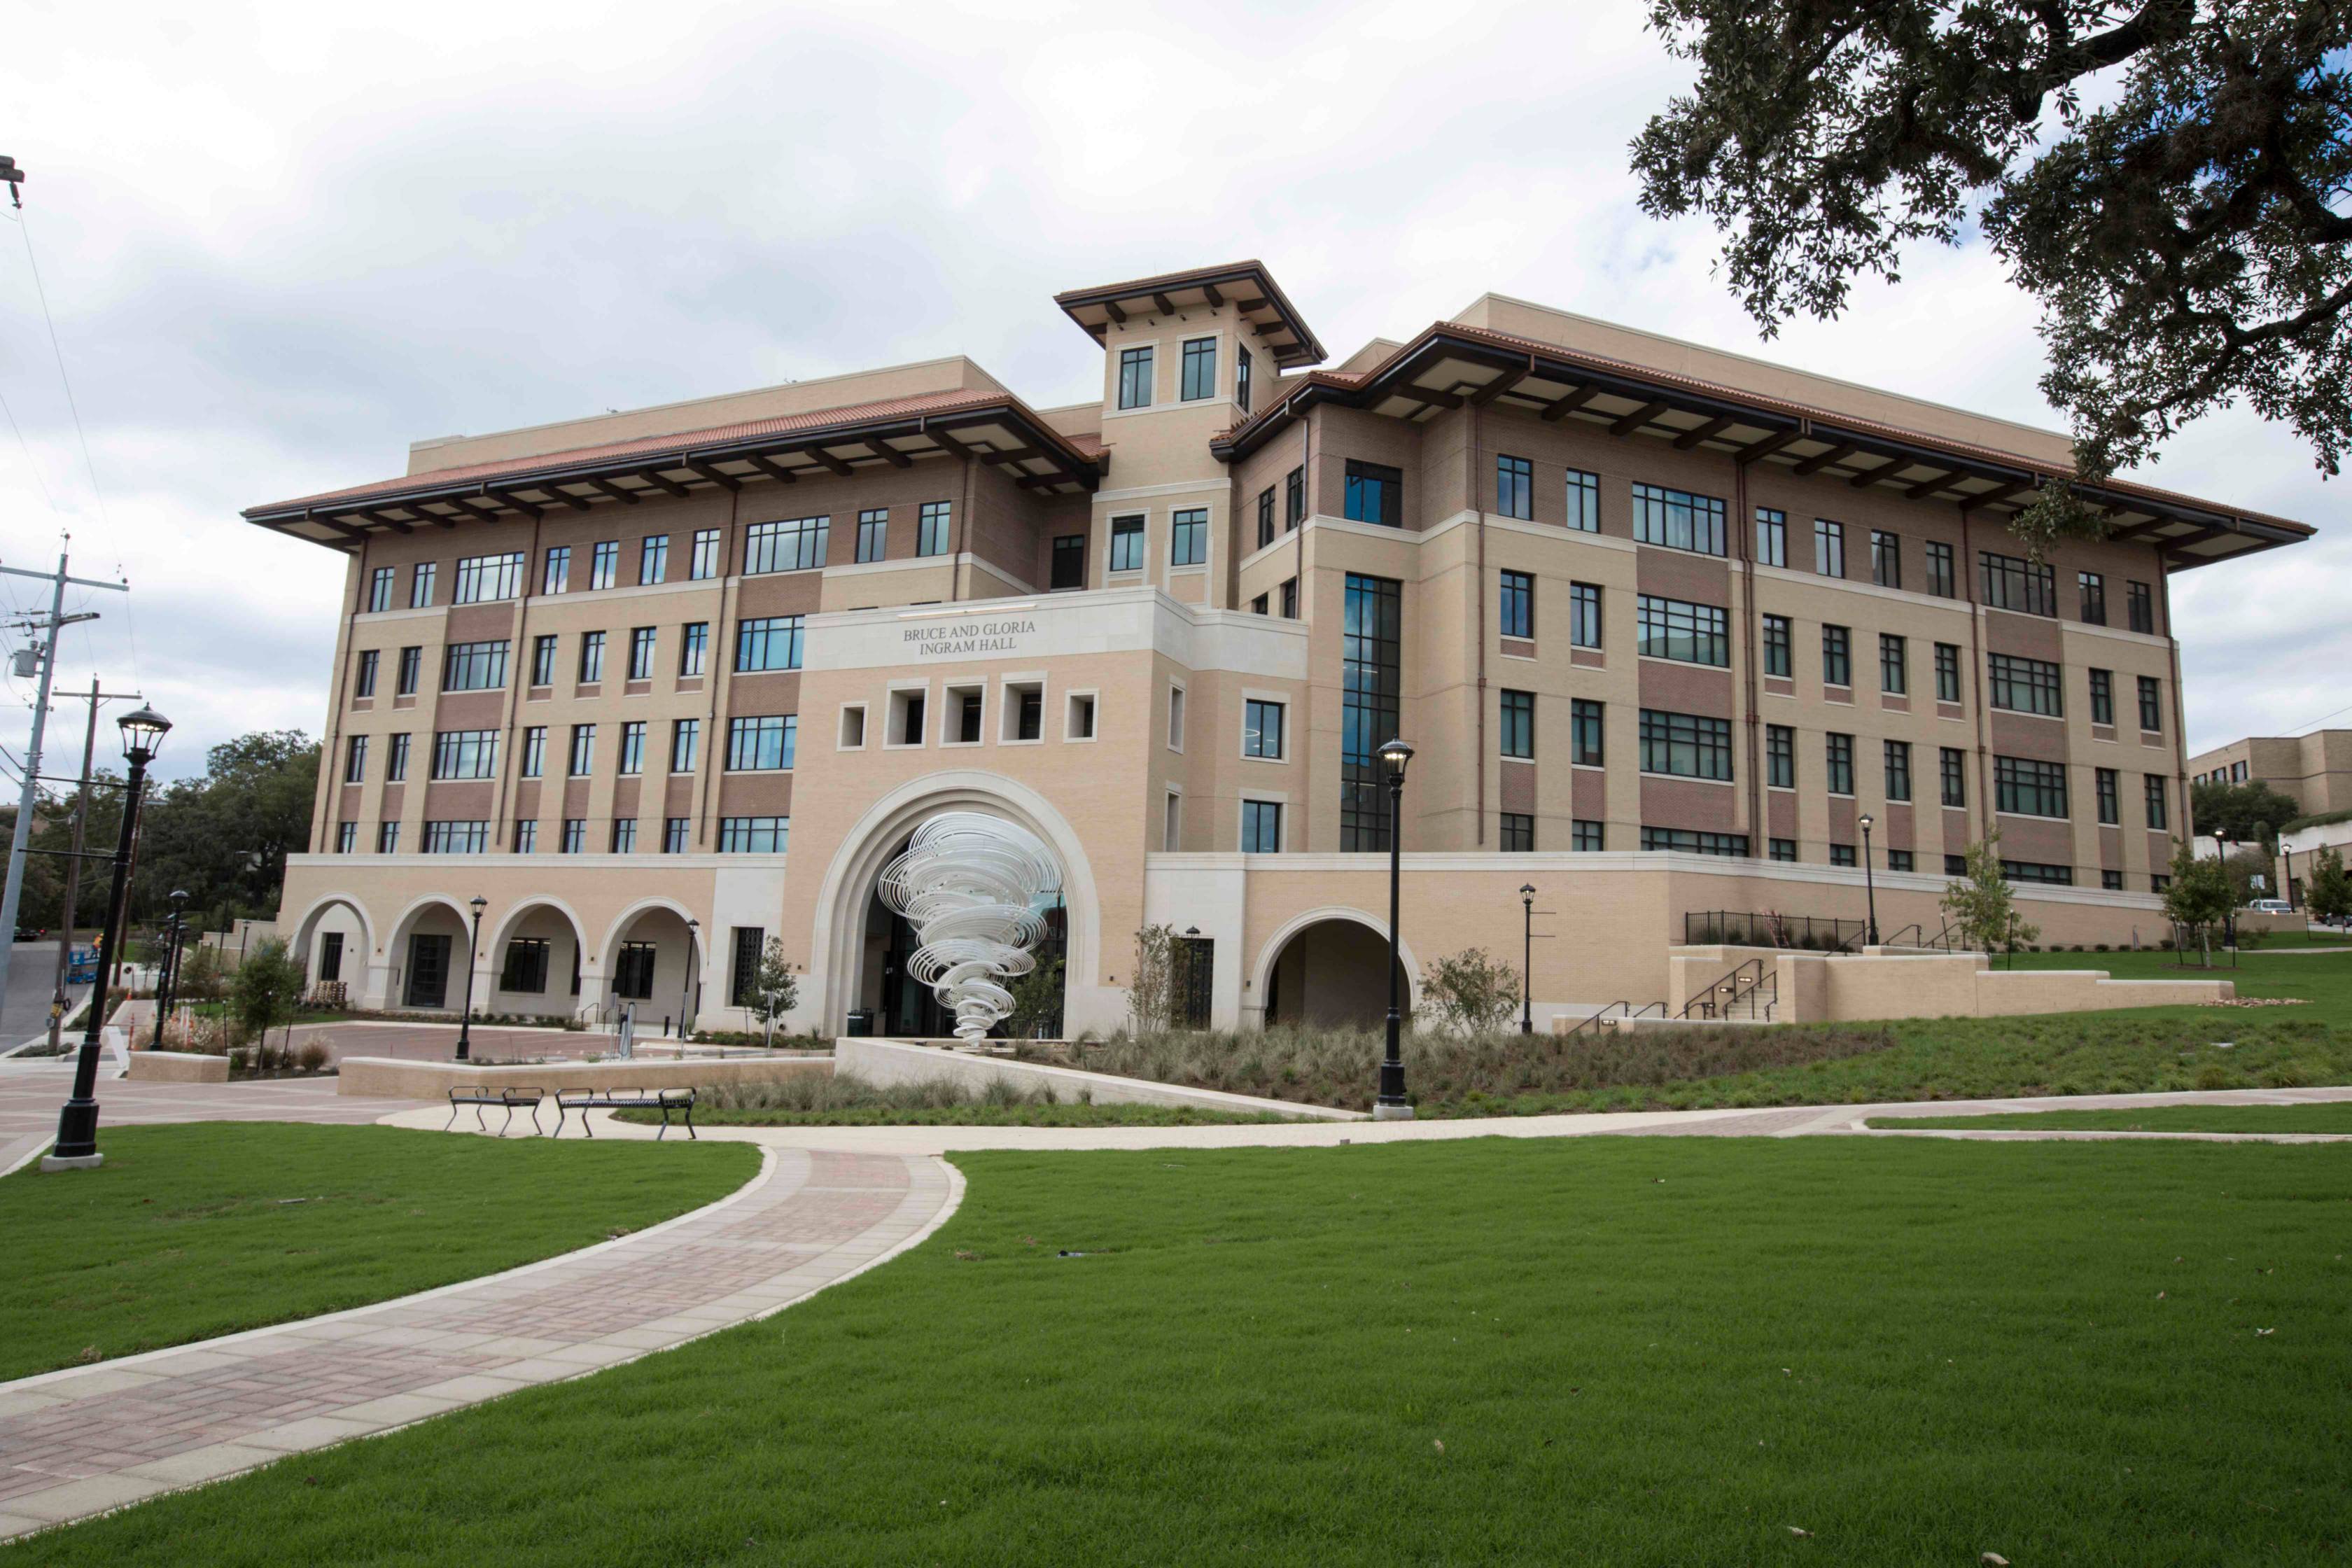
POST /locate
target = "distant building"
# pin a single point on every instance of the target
(2314, 768)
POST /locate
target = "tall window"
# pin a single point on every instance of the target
(1588, 744)
(694, 640)
(1518, 730)
(1242, 369)
(706, 554)
(795, 544)
(1262, 726)
(1515, 487)
(412, 672)
(1771, 537)
(2142, 604)
(2011, 582)
(642, 640)
(482, 579)
(1940, 582)
(1885, 559)
(1829, 547)
(474, 666)
(1677, 520)
(764, 745)
(1375, 493)
(633, 747)
(1518, 609)
(1948, 672)
(2103, 697)
(555, 573)
(347, 838)
(1778, 659)
(1126, 544)
(465, 754)
(534, 750)
(1266, 516)
(1294, 498)
(1583, 501)
(1837, 657)
(420, 586)
(1893, 665)
(2025, 786)
(768, 642)
(1952, 766)
(364, 683)
(1839, 750)
(1261, 826)
(932, 527)
(2111, 798)
(1677, 629)
(873, 533)
(1687, 746)
(2151, 704)
(1898, 770)
(604, 564)
(1290, 598)
(582, 758)
(1188, 537)
(2157, 815)
(379, 593)
(685, 744)
(743, 966)
(1371, 648)
(1135, 377)
(592, 657)
(575, 838)
(396, 760)
(2091, 589)
(387, 839)
(1584, 615)
(1780, 756)
(653, 558)
(355, 760)
(1069, 561)
(674, 830)
(1200, 378)
(526, 836)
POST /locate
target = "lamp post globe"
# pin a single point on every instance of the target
(1869, 882)
(1391, 1105)
(465, 1025)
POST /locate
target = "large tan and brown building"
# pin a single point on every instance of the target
(1665, 627)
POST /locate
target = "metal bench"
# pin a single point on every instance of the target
(662, 1100)
(482, 1100)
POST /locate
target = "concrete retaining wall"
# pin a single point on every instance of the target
(177, 1066)
(1817, 988)
(387, 1077)
(894, 1061)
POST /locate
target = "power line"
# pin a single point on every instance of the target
(57, 351)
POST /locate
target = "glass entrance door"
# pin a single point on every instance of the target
(428, 971)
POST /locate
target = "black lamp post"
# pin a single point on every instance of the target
(466, 1027)
(77, 1144)
(686, 984)
(168, 971)
(1527, 958)
(1391, 1105)
(1869, 880)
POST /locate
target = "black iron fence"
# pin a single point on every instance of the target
(1734, 928)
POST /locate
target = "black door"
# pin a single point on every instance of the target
(428, 971)
(331, 957)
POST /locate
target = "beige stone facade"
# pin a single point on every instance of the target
(1664, 625)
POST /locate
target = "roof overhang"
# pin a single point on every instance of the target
(1246, 286)
(1452, 366)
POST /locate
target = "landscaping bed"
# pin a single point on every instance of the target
(836, 1100)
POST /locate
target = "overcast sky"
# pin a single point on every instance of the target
(278, 247)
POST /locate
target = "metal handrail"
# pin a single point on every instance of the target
(1593, 1023)
(1706, 995)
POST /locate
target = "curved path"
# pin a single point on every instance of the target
(86, 1439)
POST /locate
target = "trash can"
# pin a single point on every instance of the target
(861, 1024)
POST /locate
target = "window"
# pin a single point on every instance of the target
(1894, 666)
(906, 719)
(534, 750)
(1026, 715)
(584, 751)
(1126, 544)
(873, 533)
(1782, 849)
(1266, 516)
(604, 564)
(1375, 493)
(1583, 501)
(1370, 651)
(465, 754)
(625, 842)
(1259, 607)
(633, 747)
(1843, 855)
(2011, 584)
(1294, 498)
(1885, 559)
(641, 653)
(2091, 589)
(768, 642)
(363, 684)
(1188, 537)
(1941, 581)
(396, 761)
(932, 527)
(525, 970)
(793, 545)
(2111, 799)
(1135, 377)
(1778, 659)
(1515, 487)
(1242, 377)
(1587, 735)
(1676, 629)
(412, 672)
(1585, 836)
(2151, 704)
(1687, 746)
(1952, 763)
(420, 586)
(1517, 610)
(2157, 817)
(1262, 725)
(1948, 672)
(1677, 520)
(653, 558)
(347, 838)
(555, 572)
(1516, 834)
(1956, 864)
(387, 839)
(1200, 369)
(456, 837)
(743, 970)
(685, 744)
(1171, 822)
(379, 594)
(1261, 826)
(705, 564)
(2103, 697)
(754, 834)
(1771, 537)
(693, 642)
(1900, 860)
(1829, 547)
(573, 839)
(1837, 657)
(968, 701)
(2038, 871)
(1518, 731)
(1078, 718)
(1780, 756)
(2023, 786)
(474, 667)
(1898, 770)
(355, 760)
(1839, 750)
(2157, 882)
(542, 659)
(762, 745)
(484, 578)
(1682, 840)
(2023, 685)
(526, 838)
(2113, 881)
(1069, 561)
(592, 657)
(675, 833)
(1175, 718)
(2142, 604)
(1584, 615)
(1290, 599)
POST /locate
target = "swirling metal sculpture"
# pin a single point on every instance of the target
(967, 883)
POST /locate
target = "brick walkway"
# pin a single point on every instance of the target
(31, 1093)
(88, 1439)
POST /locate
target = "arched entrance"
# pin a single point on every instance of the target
(1331, 970)
(534, 961)
(430, 944)
(895, 1004)
(653, 963)
(334, 944)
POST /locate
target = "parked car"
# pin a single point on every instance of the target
(32, 933)
(2270, 906)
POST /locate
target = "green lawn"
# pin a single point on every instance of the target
(191, 1231)
(1622, 1352)
(2332, 1117)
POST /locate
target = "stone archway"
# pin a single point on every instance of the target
(335, 944)
(654, 959)
(1327, 967)
(429, 955)
(534, 962)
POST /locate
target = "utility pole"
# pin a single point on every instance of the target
(73, 866)
(46, 652)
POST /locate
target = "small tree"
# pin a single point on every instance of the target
(1036, 999)
(773, 984)
(200, 978)
(2200, 897)
(1983, 905)
(1152, 998)
(268, 985)
(1471, 991)
(2328, 892)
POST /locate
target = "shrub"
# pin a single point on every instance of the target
(313, 1055)
(1471, 991)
